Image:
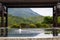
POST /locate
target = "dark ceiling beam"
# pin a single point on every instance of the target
(29, 3)
(11, 1)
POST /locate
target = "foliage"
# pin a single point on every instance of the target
(18, 20)
(32, 22)
(32, 26)
(15, 26)
(24, 25)
(58, 19)
(48, 20)
(38, 25)
(45, 26)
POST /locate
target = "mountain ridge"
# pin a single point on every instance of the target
(23, 15)
(22, 12)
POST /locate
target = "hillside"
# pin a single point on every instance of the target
(22, 12)
(23, 15)
(17, 20)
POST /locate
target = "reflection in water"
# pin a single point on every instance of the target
(28, 33)
(17, 31)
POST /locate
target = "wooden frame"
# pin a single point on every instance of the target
(29, 4)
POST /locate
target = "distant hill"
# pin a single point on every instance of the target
(17, 20)
(23, 15)
(22, 12)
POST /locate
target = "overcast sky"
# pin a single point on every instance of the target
(43, 11)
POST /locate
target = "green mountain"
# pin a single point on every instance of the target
(17, 20)
(23, 15)
(22, 12)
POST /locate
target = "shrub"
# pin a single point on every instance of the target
(32, 25)
(15, 26)
(50, 25)
(45, 26)
(23, 25)
(48, 20)
(38, 25)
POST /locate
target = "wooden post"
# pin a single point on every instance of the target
(6, 22)
(55, 33)
(3, 12)
(2, 18)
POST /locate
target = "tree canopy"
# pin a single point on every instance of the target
(48, 20)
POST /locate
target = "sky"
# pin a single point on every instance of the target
(43, 11)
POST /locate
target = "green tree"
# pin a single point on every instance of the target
(38, 25)
(45, 26)
(32, 25)
(23, 25)
(15, 26)
(58, 19)
(48, 20)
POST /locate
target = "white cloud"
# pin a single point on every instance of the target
(43, 11)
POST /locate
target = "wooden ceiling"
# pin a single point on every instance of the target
(19, 3)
